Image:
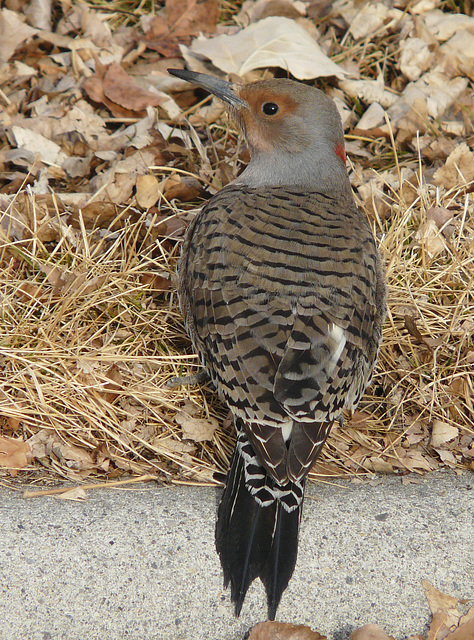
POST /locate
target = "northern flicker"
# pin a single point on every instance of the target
(283, 295)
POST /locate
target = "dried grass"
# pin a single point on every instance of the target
(88, 347)
(89, 340)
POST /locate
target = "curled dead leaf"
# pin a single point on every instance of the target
(76, 494)
(378, 465)
(463, 632)
(271, 42)
(283, 631)
(156, 282)
(370, 632)
(458, 169)
(183, 188)
(442, 217)
(46, 443)
(442, 432)
(197, 429)
(430, 238)
(13, 454)
(443, 608)
(94, 215)
(118, 91)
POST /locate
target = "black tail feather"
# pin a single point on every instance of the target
(254, 541)
(281, 561)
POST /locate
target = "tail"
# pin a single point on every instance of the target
(257, 535)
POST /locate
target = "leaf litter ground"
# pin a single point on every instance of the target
(105, 159)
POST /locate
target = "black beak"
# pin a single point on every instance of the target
(220, 88)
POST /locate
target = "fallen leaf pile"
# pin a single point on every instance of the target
(104, 160)
(447, 623)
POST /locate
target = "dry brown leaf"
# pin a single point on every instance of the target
(43, 149)
(197, 429)
(463, 632)
(183, 188)
(254, 10)
(359, 418)
(71, 456)
(442, 217)
(173, 445)
(147, 190)
(156, 282)
(373, 117)
(113, 385)
(468, 616)
(430, 238)
(94, 215)
(182, 19)
(272, 42)
(13, 454)
(442, 432)
(416, 461)
(122, 90)
(77, 494)
(458, 54)
(443, 609)
(378, 465)
(459, 168)
(171, 227)
(283, 631)
(11, 424)
(439, 601)
(39, 14)
(432, 94)
(13, 32)
(370, 632)
(113, 86)
(190, 17)
(46, 442)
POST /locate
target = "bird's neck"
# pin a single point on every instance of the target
(321, 169)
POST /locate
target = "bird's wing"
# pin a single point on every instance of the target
(280, 300)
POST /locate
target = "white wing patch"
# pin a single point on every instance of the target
(337, 339)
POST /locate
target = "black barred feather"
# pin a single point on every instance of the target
(289, 335)
(255, 541)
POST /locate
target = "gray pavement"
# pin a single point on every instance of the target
(139, 563)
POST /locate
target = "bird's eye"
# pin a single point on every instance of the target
(270, 108)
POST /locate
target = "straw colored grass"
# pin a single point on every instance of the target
(91, 331)
(88, 346)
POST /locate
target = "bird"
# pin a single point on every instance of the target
(282, 290)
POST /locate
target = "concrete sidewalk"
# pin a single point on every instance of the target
(140, 564)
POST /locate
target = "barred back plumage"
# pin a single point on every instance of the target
(283, 297)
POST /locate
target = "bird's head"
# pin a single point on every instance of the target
(287, 124)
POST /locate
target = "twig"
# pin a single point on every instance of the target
(104, 485)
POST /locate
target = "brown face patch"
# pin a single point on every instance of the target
(262, 130)
(255, 98)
